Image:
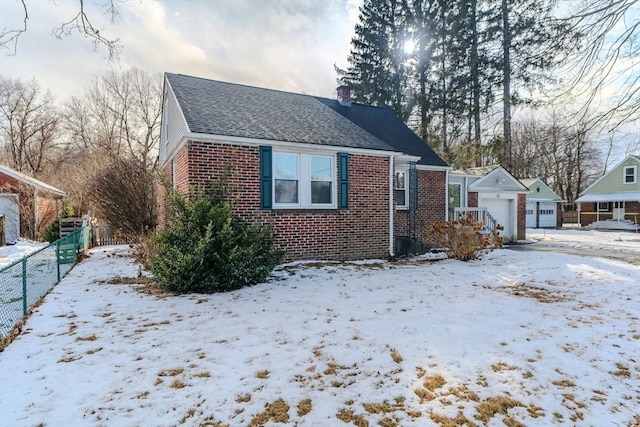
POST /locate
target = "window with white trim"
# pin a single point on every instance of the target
(603, 206)
(303, 180)
(630, 175)
(400, 187)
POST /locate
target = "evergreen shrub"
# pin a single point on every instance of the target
(204, 249)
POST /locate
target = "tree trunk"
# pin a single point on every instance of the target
(506, 85)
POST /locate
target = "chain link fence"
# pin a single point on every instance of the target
(25, 282)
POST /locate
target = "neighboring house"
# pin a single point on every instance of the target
(38, 203)
(330, 176)
(492, 194)
(544, 206)
(613, 200)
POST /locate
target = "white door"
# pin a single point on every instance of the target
(618, 211)
(531, 215)
(548, 214)
(9, 207)
(500, 210)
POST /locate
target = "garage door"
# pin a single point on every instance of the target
(500, 210)
(531, 215)
(548, 214)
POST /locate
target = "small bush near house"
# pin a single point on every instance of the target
(51, 232)
(204, 249)
(463, 239)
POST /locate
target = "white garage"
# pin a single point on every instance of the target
(495, 191)
(502, 210)
(543, 205)
(9, 208)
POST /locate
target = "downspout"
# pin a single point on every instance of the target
(391, 170)
(35, 211)
(446, 196)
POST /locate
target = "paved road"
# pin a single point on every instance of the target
(630, 257)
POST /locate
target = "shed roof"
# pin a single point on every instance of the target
(42, 186)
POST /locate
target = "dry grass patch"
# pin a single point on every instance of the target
(277, 412)
(204, 374)
(349, 417)
(539, 294)
(565, 383)
(502, 366)
(493, 406)
(510, 422)
(623, 371)
(434, 382)
(263, 375)
(177, 383)
(385, 407)
(444, 421)
(190, 413)
(93, 350)
(304, 407)
(463, 393)
(88, 338)
(243, 398)
(396, 356)
(171, 372)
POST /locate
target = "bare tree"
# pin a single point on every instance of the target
(119, 115)
(562, 154)
(29, 125)
(609, 57)
(80, 23)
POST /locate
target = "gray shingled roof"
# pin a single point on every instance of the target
(219, 108)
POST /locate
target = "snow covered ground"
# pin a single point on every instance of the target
(517, 338)
(12, 253)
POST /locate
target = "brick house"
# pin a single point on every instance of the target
(336, 180)
(34, 202)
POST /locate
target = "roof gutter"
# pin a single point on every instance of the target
(240, 140)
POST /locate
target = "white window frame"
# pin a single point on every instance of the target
(406, 189)
(634, 168)
(304, 181)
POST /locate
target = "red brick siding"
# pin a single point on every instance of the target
(472, 200)
(521, 220)
(588, 213)
(431, 204)
(360, 232)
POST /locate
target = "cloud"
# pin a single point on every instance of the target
(286, 45)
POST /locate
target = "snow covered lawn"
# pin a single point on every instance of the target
(12, 253)
(517, 338)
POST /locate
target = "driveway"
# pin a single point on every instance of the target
(618, 246)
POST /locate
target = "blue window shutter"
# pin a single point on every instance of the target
(265, 177)
(343, 178)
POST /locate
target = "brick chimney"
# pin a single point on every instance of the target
(344, 96)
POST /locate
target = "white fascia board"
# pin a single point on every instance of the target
(406, 158)
(433, 168)
(238, 140)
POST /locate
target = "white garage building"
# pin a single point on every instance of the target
(492, 190)
(543, 209)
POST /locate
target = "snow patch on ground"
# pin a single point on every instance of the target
(537, 337)
(12, 253)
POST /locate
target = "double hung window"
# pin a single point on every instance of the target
(400, 189)
(303, 180)
(630, 175)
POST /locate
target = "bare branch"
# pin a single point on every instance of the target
(9, 37)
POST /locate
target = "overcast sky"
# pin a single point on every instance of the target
(290, 45)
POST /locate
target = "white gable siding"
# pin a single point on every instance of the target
(173, 127)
